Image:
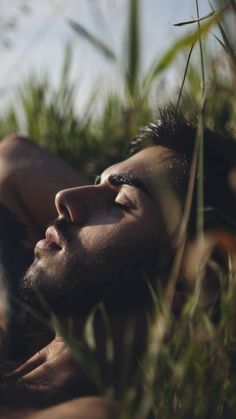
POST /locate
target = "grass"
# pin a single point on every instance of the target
(188, 370)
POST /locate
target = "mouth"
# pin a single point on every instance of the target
(51, 242)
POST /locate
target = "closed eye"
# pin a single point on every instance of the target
(119, 206)
(123, 202)
(125, 199)
(122, 206)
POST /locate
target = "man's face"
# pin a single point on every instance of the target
(105, 236)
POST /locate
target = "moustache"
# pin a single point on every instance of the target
(63, 227)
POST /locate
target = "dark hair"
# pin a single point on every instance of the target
(177, 134)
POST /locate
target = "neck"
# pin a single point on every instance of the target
(103, 326)
(113, 335)
(112, 347)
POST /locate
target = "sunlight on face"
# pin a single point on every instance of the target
(106, 233)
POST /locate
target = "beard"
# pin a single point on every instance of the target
(112, 275)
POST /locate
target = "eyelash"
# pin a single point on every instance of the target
(124, 207)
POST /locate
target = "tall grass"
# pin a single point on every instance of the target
(188, 370)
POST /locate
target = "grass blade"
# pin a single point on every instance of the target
(162, 320)
(184, 42)
(200, 192)
(185, 74)
(133, 46)
(226, 44)
(190, 22)
(97, 43)
(219, 40)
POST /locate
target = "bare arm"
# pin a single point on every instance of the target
(30, 177)
(80, 408)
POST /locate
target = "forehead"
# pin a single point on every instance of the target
(149, 165)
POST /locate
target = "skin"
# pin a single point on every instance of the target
(82, 408)
(109, 214)
(30, 176)
(116, 223)
(120, 212)
(113, 214)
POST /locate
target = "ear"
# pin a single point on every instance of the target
(205, 259)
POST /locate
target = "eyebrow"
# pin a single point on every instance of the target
(125, 179)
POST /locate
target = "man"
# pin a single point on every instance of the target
(111, 241)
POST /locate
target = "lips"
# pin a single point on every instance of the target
(51, 241)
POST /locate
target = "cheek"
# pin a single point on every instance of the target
(150, 224)
(97, 237)
(129, 230)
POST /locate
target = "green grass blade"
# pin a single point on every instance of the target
(185, 74)
(66, 66)
(226, 42)
(184, 42)
(200, 192)
(219, 40)
(82, 355)
(190, 22)
(89, 332)
(133, 46)
(94, 40)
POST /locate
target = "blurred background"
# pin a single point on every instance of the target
(82, 76)
(34, 36)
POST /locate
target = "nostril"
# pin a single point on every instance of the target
(64, 211)
(70, 204)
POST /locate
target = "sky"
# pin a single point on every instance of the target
(39, 40)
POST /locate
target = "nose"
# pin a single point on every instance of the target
(71, 204)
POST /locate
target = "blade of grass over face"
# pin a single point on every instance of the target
(28, 308)
(89, 335)
(161, 324)
(200, 193)
(89, 330)
(200, 175)
(84, 357)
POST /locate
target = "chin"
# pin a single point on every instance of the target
(72, 284)
(65, 292)
(37, 290)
